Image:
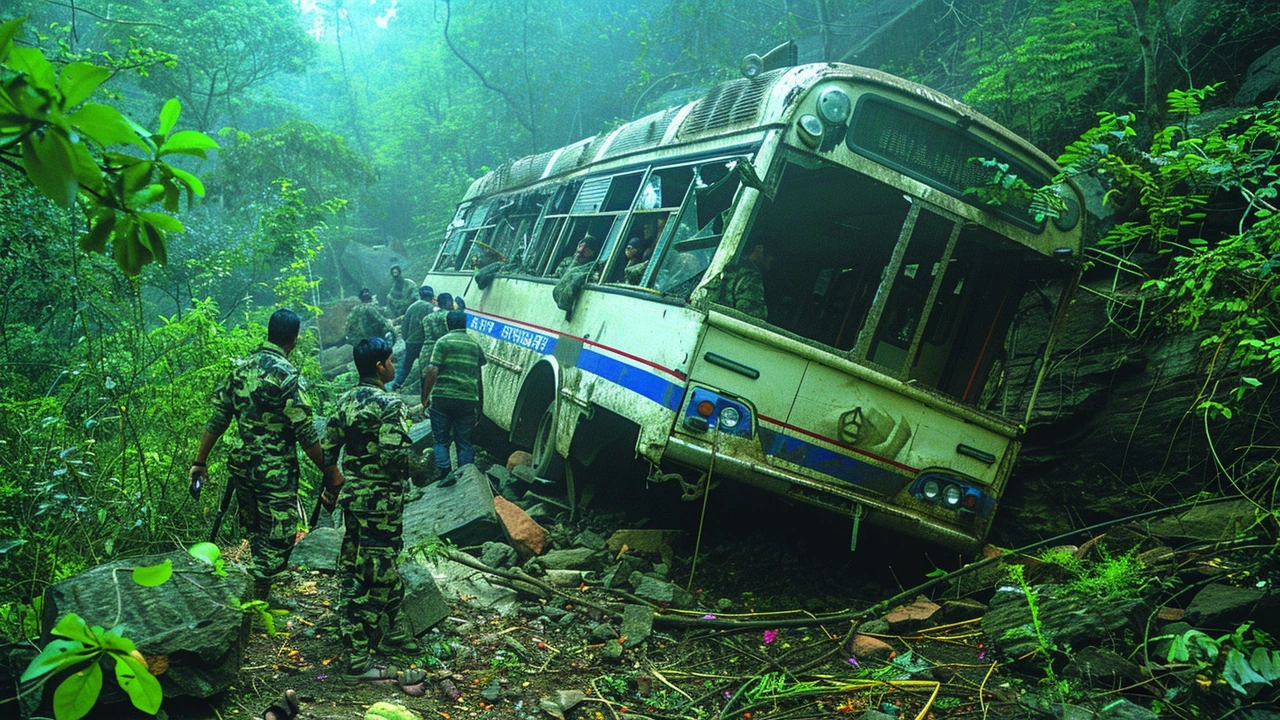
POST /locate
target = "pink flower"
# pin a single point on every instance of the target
(852, 660)
(770, 636)
(708, 616)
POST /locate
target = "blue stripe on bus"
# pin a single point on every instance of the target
(830, 462)
(638, 380)
(656, 388)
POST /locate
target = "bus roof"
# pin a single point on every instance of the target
(769, 99)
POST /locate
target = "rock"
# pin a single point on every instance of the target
(564, 578)
(1262, 82)
(500, 475)
(572, 559)
(637, 624)
(193, 621)
(658, 591)
(526, 536)
(865, 647)
(462, 513)
(560, 703)
(649, 541)
(962, 609)
(1102, 666)
(611, 651)
(492, 691)
(1221, 606)
(539, 511)
(524, 473)
(1216, 521)
(875, 627)
(876, 715)
(1065, 619)
(1170, 614)
(1159, 558)
(332, 323)
(603, 632)
(336, 360)
(589, 539)
(424, 605)
(420, 434)
(661, 571)
(498, 555)
(459, 581)
(517, 458)
(913, 616)
(318, 549)
(364, 266)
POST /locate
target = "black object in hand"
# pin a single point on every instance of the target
(197, 483)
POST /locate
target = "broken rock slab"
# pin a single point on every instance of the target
(462, 513)
(647, 541)
(318, 549)
(572, 559)
(498, 555)
(526, 535)
(518, 458)
(637, 624)
(865, 647)
(1207, 522)
(651, 588)
(424, 605)
(193, 621)
(913, 616)
(1220, 606)
(457, 581)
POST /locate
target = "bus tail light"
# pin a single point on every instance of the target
(948, 491)
(707, 410)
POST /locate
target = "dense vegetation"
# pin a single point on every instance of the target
(138, 258)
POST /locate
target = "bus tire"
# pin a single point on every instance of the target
(547, 463)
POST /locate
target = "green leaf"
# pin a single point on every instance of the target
(116, 643)
(77, 695)
(96, 239)
(106, 125)
(47, 160)
(191, 181)
(206, 551)
(1266, 663)
(79, 80)
(59, 654)
(39, 70)
(142, 687)
(73, 627)
(86, 167)
(155, 575)
(1238, 673)
(8, 31)
(167, 223)
(156, 241)
(169, 115)
(188, 142)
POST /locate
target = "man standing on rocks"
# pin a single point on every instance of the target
(451, 392)
(264, 394)
(366, 320)
(400, 294)
(434, 327)
(412, 330)
(373, 427)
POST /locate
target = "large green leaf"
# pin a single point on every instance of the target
(47, 160)
(86, 167)
(188, 142)
(137, 681)
(59, 654)
(169, 115)
(96, 239)
(8, 31)
(77, 695)
(155, 240)
(1238, 674)
(192, 182)
(39, 70)
(167, 223)
(78, 81)
(153, 575)
(73, 627)
(106, 125)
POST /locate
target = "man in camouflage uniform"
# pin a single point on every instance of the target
(451, 392)
(366, 320)
(413, 337)
(434, 327)
(401, 293)
(741, 287)
(373, 427)
(264, 394)
(584, 255)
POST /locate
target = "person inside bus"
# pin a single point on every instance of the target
(741, 287)
(588, 247)
(637, 253)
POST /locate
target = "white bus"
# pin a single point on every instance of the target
(873, 377)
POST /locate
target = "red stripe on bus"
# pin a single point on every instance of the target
(585, 341)
(833, 441)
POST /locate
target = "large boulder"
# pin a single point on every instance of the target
(424, 605)
(332, 323)
(364, 266)
(192, 623)
(462, 513)
(318, 549)
(1262, 82)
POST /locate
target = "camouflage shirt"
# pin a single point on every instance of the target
(457, 359)
(434, 327)
(742, 288)
(400, 295)
(365, 321)
(568, 264)
(373, 426)
(265, 395)
(413, 318)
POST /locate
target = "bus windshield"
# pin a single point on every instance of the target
(886, 279)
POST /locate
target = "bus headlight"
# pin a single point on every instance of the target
(834, 105)
(810, 130)
(951, 495)
(930, 490)
(706, 410)
(730, 417)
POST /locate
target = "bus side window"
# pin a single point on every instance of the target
(544, 243)
(684, 257)
(659, 196)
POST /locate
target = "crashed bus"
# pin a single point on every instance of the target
(886, 381)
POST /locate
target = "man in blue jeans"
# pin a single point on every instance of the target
(451, 393)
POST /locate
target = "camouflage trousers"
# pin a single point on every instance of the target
(268, 498)
(370, 584)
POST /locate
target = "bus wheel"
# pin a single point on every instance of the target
(547, 463)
